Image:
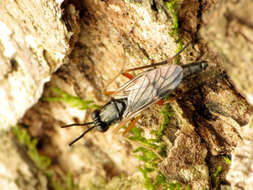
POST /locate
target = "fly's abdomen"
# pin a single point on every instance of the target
(193, 68)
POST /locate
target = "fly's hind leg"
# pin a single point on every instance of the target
(128, 75)
(169, 100)
(126, 72)
(156, 64)
(160, 102)
(165, 101)
(109, 93)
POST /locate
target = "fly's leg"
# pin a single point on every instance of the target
(113, 79)
(160, 102)
(163, 102)
(109, 93)
(156, 64)
(126, 72)
(119, 126)
(169, 100)
(128, 75)
(131, 125)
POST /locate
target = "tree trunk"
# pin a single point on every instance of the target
(209, 117)
(229, 30)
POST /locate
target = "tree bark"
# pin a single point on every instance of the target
(229, 30)
(99, 39)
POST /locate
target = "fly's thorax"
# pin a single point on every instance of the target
(109, 114)
(194, 68)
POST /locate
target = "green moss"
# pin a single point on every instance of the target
(166, 112)
(23, 137)
(148, 183)
(73, 101)
(171, 8)
(226, 160)
(159, 182)
(137, 136)
(216, 177)
(146, 155)
(151, 154)
(41, 162)
(175, 186)
(218, 171)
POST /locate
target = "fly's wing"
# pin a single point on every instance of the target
(149, 87)
(124, 90)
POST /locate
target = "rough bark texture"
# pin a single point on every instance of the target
(33, 44)
(207, 119)
(229, 30)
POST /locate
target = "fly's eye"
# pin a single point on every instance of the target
(95, 114)
(204, 65)
(102, 127)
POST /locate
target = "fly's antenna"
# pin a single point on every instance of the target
(76, 124)
(79, 124)
(81, 136)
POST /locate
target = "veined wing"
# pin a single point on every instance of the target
(124, 90)
(149, 87)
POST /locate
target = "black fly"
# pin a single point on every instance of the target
(137, 94)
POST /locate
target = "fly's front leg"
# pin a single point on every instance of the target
(119, 126)
(131, 124)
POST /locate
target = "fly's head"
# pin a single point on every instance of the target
(203, 65)
(96, 123)
(100, 125)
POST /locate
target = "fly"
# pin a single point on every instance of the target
(138, 93)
